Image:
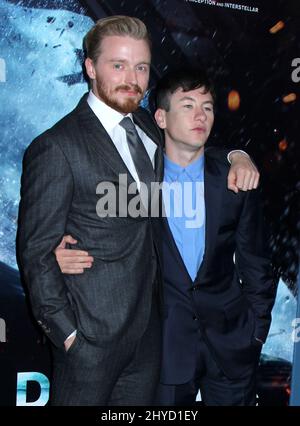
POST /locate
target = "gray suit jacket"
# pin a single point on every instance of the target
(61, 171)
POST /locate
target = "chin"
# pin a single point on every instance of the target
(128, 106)
(198, 145)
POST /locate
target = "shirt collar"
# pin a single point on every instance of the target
(193, 170)
(108, 116)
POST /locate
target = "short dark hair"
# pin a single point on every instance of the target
(185, 79)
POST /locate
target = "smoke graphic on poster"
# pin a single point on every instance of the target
(41, 53)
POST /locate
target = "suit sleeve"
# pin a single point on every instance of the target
(46, 195)
(254, 264)
(219, 154)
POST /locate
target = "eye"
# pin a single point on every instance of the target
(188, 106)
(117, 66)
(208, 108)
(142, 68)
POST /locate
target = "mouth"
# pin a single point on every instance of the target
(131, 93)
(199, 129)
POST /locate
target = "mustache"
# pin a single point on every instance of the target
(135, 87)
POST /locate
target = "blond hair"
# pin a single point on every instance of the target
(117, 25)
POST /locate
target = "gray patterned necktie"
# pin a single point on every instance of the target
(138, 153)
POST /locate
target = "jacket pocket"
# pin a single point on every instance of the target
(236, 307)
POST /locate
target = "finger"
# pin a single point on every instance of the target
(72, 264)
(231, 182)
(233, 188)
(76, 265)
(256, 180)
(254, 168)
(75, 271)
(69, 239)
(247, 180)
(73, 253)
(62, 244)
(240, 177)
(86, 265)
(252, 180)
(77, 259)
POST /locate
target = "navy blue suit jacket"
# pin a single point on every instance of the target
(229, 303)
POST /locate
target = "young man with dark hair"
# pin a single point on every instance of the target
(218, 285)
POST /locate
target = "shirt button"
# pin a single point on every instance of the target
(195, 318)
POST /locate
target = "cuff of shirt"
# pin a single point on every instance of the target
(236, 150)
(71, 335)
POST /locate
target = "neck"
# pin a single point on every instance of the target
(181, 157)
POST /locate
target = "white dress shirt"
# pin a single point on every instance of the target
(110, 119)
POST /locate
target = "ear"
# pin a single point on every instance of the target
(160, 117)
(90, 68)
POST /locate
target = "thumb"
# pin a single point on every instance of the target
(231, 183)
(67, 239)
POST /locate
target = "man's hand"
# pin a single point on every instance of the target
(243, 175)
(68, 343)
(72, 261)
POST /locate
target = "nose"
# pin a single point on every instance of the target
(200, 114)
(131, 77)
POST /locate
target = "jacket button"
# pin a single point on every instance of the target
(195, 318)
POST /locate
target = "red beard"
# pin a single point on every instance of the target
(130, 105)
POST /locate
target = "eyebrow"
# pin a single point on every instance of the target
(188, 98)
(125, 60)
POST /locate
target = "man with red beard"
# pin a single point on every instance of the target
(104, 325)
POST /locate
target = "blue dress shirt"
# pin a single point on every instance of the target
(183, 194)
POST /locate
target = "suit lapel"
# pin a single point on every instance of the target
(146, 123)
(172, 244)
(100, 141)
(213, 190)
